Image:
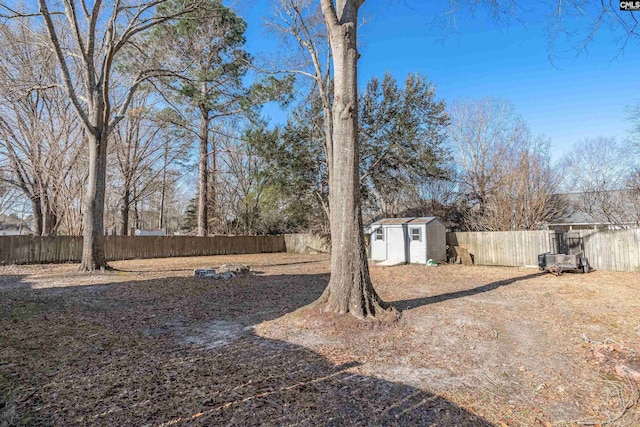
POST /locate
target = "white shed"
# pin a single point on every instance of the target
(413, 240)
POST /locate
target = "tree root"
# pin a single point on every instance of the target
(369, 309)
(92, 268)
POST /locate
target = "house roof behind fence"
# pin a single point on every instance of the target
(622, 207)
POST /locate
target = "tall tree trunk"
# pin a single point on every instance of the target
(349, 289)
(93, 256)
(203, 174)
(46, 215)
(37, 215)
(161, 213)
(212, 181)
(164, 185)
(125, 203)
(137, 217)
(50, 227)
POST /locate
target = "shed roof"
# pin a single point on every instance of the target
(401, 221)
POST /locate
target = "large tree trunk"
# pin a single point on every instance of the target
(93, 256)
(125, 203)
(350, 289)
(213, 197)
(37, 215)
(49, 218)
(203, 175)
(54, 223)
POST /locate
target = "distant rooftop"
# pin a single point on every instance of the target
(587, 208)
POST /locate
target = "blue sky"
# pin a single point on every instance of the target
(569, 99)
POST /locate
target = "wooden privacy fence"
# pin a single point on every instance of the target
(306, 244)
(35, 250)
(617, 250)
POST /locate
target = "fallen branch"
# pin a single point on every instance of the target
(625, 405)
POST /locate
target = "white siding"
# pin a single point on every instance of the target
(395, 243)
(436, 241)
(378, 247)
(417, 248)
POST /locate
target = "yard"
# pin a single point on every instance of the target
(149, 344)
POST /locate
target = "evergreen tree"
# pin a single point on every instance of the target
(402, 134)
(190, 218)
(207, 46)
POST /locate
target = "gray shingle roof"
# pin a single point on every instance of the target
(400, 221)
(587, 208)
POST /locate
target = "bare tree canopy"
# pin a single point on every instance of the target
(577, 22)
(604, 173)
(40, 137)
(86, 41)
(571, 25)
(505, 172)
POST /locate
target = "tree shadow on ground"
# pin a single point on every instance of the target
(418, 302)
(13, 281)
(183, 351)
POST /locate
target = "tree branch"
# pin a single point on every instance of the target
(330, 16)
(66, 75)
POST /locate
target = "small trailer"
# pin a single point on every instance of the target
(568, 256)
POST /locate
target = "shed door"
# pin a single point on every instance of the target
(395, 244)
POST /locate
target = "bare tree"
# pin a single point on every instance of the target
(486, 133)
(40, 139)
(505, 173)
(525, 200)
(595, 164)
(143, 146)
(9, 195)
(146, 156)
(604, 171)
(86, 41)
(310, 57)
(439, 197)
(577, 22)
(71, 191)
(241, 186)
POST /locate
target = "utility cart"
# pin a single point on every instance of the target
(568, 255)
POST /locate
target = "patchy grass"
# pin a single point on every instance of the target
(149, 344)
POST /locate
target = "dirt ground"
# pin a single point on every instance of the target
(151, 345)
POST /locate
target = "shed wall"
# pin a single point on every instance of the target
(378, 248)
(436, 238)
(418, 248)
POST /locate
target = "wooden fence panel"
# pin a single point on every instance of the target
(58, 249)
(613, 249)
(617, 250)
(307, 244)
(508, 248)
